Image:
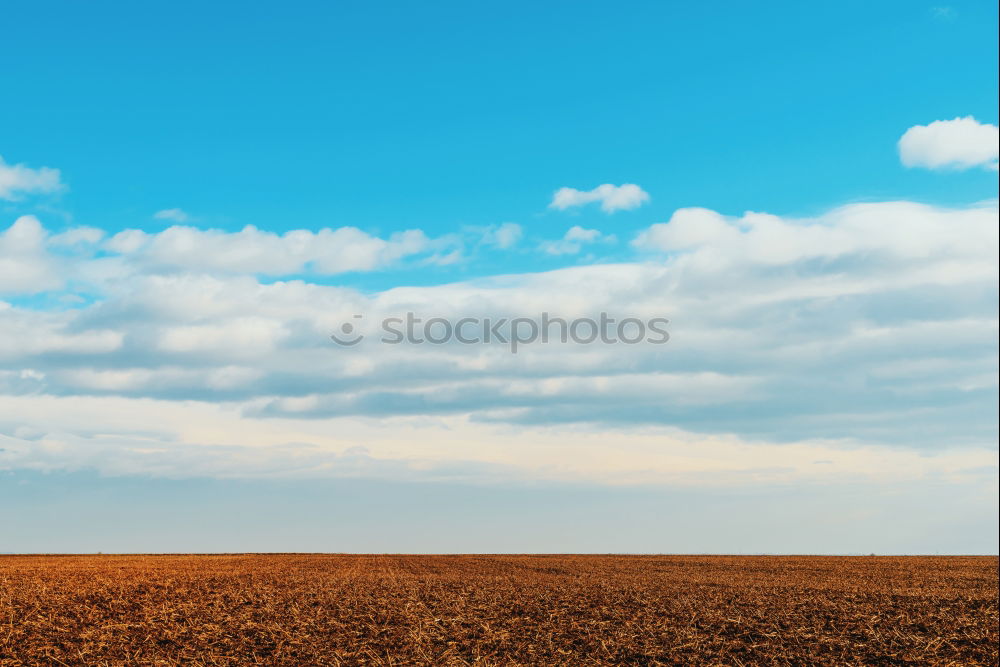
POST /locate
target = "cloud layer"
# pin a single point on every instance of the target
(863, 338)
(33, 260)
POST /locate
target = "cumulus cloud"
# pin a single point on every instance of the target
(25, 265)
(250, 250)
(503, 236)
(77, 236)
(172, 214)
(27, 262)
(573, 241)
(612, 197)
(17, 180)
(886, 232)
(959, 143)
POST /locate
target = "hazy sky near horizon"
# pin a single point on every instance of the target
(194, 198)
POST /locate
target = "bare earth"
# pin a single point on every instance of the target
(497, 610)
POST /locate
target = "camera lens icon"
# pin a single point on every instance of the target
(347, 336)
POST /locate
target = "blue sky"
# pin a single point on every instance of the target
(808, 191)
(435, 115)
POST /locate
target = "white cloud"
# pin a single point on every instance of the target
(183, 438)
(32, 260)
(573, 241)
(172, 214)
(612, 197)
(17, 180)
(250, 250)
(875, 235)
(577, 233)
(873, 324)
(252, 336)
(960, 143)
(77, 236)
(25, 265)
(503, 236)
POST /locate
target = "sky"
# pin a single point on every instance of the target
(194, 198)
